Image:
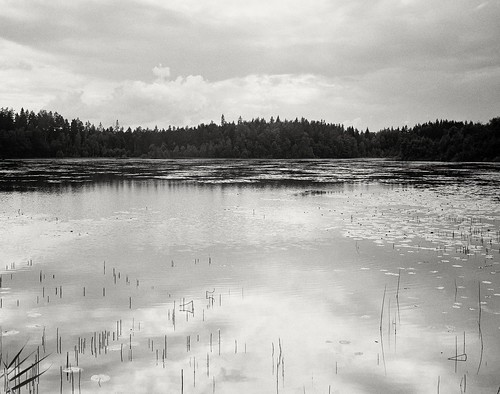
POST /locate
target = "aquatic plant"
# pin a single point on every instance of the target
(100, 378)
(19, 372)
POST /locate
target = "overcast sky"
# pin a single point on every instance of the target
(366, 63)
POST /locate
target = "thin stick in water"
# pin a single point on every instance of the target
(479, 327)
(381, 335)
(397, 296)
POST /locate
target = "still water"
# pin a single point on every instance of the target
(252, 276)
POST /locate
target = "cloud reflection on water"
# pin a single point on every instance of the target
(300, 263)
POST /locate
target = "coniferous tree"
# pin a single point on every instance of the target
(48, 134)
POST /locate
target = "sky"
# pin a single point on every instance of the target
(361, 63)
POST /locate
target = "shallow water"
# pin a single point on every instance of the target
(253, 276)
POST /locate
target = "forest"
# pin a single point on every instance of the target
(46, 134)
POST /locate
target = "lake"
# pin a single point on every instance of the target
(251, 276)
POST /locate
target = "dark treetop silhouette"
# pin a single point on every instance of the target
(47, 134)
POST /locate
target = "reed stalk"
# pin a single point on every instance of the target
(479, 328)
(380, 329)
(397, 296)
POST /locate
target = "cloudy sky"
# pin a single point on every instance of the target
(367, 63)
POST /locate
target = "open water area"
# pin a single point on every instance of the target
(251, 276)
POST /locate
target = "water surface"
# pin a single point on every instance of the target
(252, 276)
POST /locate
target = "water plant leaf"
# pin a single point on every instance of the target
(25, 382)
(15, 358)
(28, 368)
(24, 359)
(100, 378)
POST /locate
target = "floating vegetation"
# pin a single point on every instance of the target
(8, 333)
(72, 370)
(100, 378)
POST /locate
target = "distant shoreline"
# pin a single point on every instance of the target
(48, 135)
(238, 159)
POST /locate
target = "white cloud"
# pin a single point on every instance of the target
(193, 99)
(29, 78)
(387, 97)
(161, 72)
(374, 63)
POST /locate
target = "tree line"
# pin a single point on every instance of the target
(26, 134)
